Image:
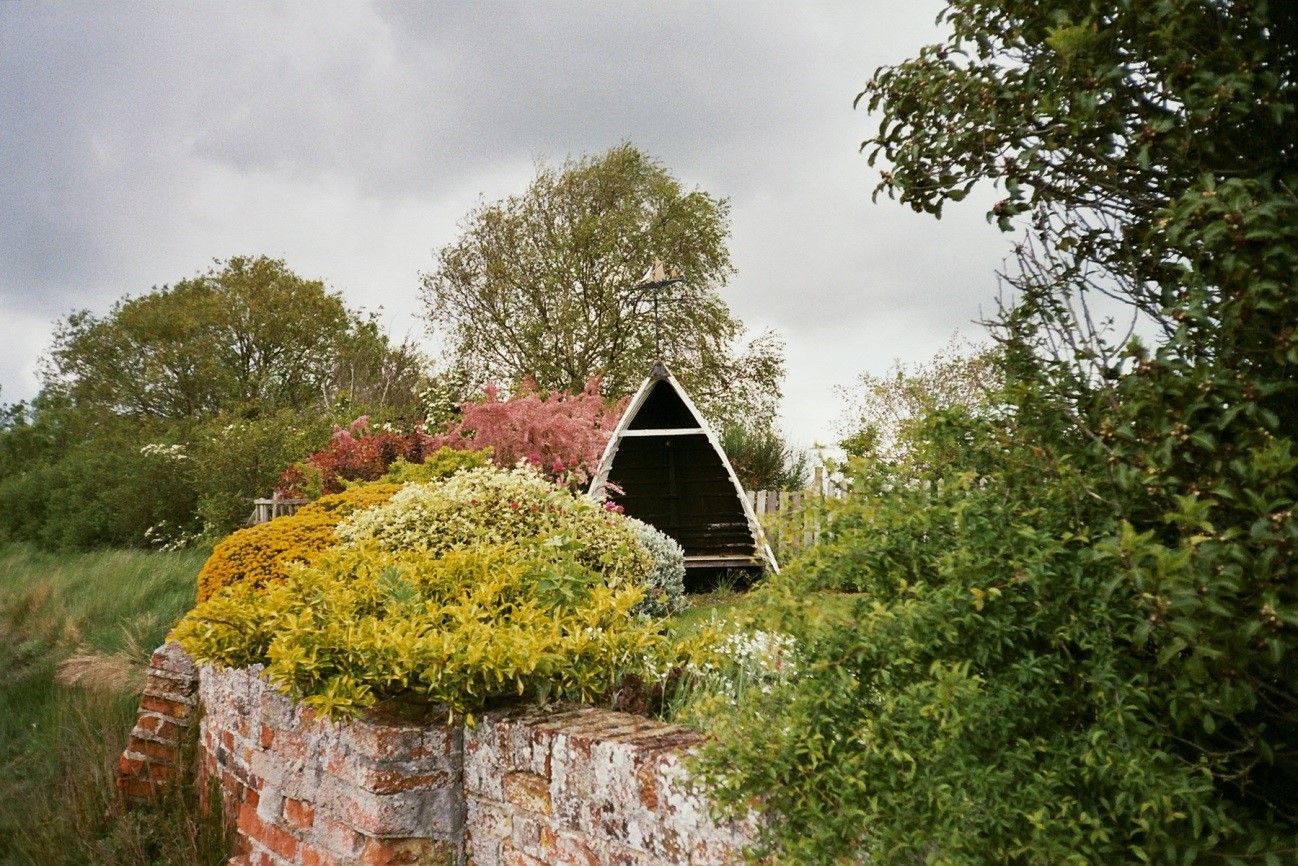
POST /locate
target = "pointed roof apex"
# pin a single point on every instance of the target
(659, 371)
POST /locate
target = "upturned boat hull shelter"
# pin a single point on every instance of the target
(673, 474)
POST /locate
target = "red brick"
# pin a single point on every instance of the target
(279, 840)
(404, 852)
(135, 789)
(163, 706)
(528, 791)
(266, 737)
(248, 823)
(157, 751)
(298, 814)
(133, 767)
(159, 772)
(310, 856)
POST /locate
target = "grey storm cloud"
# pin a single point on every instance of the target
(143, 141)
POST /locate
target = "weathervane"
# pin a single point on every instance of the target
(652, 284)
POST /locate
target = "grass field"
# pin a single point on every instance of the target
(76, 631)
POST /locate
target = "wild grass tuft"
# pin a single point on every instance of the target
(76, 631)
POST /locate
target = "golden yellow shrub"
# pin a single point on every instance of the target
(261, 554)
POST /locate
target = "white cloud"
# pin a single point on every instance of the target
(351, 139)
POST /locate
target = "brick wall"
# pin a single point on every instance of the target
(301, 790)
(572, 785)
(586, 786)
(166, 710)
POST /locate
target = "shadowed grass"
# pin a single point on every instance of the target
(76, 631)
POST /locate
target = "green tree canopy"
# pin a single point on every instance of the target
(1153, 150)
(1079, 600)
(248, 336)
(542, 285)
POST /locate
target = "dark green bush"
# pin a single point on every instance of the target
(992, 700)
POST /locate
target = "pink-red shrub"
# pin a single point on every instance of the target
(354, 453)
(562, 434)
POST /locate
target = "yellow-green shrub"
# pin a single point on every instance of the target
(361, 624)
(261, 554)
(490, 506)
(442, 463)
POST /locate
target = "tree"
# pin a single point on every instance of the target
(165, 417)
(1153, 150)
(762, 458)
(878, 409)
(1110, 553)
(542, 285)
(248, 337)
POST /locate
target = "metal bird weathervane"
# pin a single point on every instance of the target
(651, 286)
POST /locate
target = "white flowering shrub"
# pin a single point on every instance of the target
(727, 665)
(487, 506)
(665, 583)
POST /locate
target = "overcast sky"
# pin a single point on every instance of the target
(141, 141)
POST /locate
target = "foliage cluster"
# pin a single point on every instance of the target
(762, 459)
(562, 434)
(262, 554)
(987, 703)
(665, 583)
(1079, 595)
(457, 591)
(442, 463)
(363, 624)
(354, 453)
(160, 420)
(879, 409)
(546, 285)
(490, 506)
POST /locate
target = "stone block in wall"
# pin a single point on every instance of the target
(363, 792)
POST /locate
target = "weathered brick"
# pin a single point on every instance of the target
(486, 827)
(155, 751)
(528, 791)
(298, 813)
(171, 658)
(135, 789)
(130, 766)
(565, 849)
(336, 837)
(513, 857)
(165, 706)
(279, 840)
(403, 852)
(309, 855)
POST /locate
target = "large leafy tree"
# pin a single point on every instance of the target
(1153, 150)
(1082, 599)
(542, 285)
(164, 417)
(248, 336)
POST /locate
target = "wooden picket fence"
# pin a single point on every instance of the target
(264, 510)
(788, 517)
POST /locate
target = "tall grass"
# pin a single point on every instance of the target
(76, 631)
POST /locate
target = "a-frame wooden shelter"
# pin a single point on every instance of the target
(674, 475)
